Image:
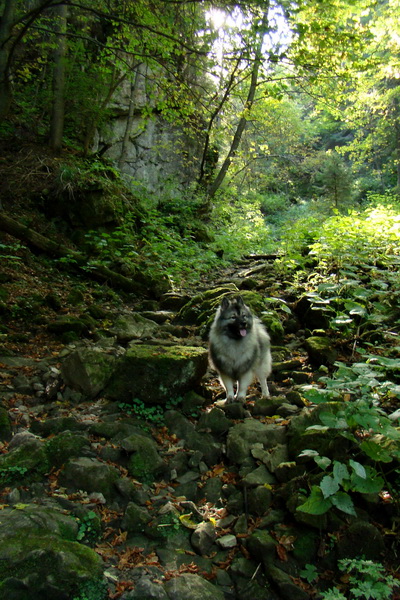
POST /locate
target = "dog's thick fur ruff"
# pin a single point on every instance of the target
(239, 349)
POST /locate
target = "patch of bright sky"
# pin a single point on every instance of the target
(278, 36)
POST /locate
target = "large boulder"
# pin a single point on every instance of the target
(25, 461)
(244, 437)
(87, 370)
(320, 350)
(39, 557)
(90, 475)
(156, 374)
(133, 326)
(144, 461)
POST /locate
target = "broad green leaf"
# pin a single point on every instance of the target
(355, 308)
(316, 504)
(376, 451)
(358, 469)
(340, 471)
(333, 421)
(317, 395)
(329, 486)
(343, 502)
(342, 320)
(371, 485)
(393, 363)
(323, 462)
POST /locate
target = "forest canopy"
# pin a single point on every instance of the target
(245, 115)
(280, 94)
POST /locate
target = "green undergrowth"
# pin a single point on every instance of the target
(366, 579)
(363, 393)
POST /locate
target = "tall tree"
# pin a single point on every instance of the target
(7, 23)
(58, 104)
(261, 27)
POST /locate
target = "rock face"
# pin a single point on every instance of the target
(146, 149)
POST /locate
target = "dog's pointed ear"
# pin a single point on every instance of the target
(224, 302)
(240, 301)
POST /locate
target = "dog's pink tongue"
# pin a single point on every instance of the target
(243, 332)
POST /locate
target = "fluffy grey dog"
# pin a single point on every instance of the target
(239, 349)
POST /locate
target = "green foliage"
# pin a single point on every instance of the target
(9, 475)
(367, 579)
(239, 226)
(92, 590)
(309, 573)
(168, 525)
(151, 413)
(334, 487)
(88, 528)
(361, 421)
(83, 174)
(333, 180)
(8, 251)
(355, 259)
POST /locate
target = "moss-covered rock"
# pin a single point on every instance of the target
(66, 325)
(201, 308)
(144, 460)
(133, 326)
(320, 350)
(90, 475)
(5, 425)
(192, 586)
(361, 539)
(156, 374)
(27, 462)
(270, 319)
(88, 370)
(136, 518)
(39, 557)
(325, 441)
(64, 446)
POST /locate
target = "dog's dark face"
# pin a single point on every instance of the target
(236, 319)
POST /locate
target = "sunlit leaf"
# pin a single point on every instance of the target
(316, 504)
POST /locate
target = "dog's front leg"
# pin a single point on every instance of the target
(228, 384)
(264, 387)
(244, 382)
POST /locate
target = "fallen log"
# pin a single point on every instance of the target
(75, 259)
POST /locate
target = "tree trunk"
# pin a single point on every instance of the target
(57, 114)
(203, 178)
(6, 25)
(75, 259)
(215, 185)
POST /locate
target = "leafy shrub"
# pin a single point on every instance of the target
(367, 579)
(372, 434)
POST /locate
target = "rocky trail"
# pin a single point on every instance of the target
(124, 476)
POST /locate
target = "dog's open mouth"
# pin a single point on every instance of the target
(243, 332)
